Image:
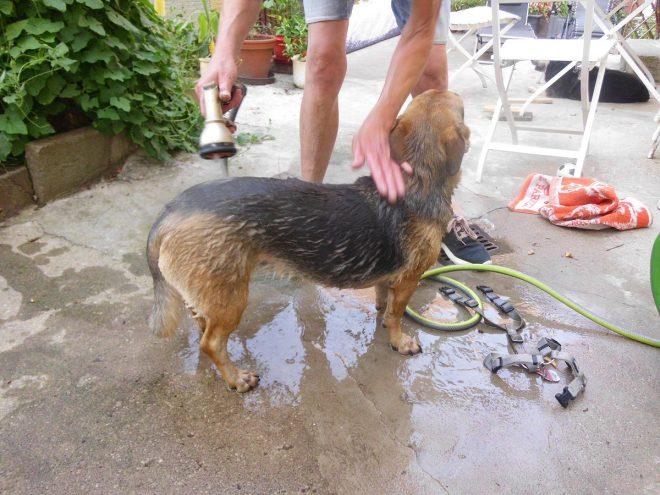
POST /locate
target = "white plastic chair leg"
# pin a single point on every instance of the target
(488, 138)
(584, 144)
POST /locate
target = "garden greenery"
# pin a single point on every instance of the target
(116, 62)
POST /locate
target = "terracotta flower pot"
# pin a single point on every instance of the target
(257, 55)
(280, 56)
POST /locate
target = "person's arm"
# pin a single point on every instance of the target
(236, 19)
(371, 143)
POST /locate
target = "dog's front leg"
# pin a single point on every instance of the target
(397, 300)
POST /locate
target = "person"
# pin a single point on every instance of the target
(419, 63)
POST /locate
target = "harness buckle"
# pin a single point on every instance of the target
(565, 397)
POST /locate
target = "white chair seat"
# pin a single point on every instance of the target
(550, 49)
(477, 17)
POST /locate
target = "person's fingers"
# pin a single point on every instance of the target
(390, 181)
(407, 168)
(378, 177)
(358, 157)
(236, 98)
(398, 179)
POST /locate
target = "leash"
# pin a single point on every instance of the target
(546, 352)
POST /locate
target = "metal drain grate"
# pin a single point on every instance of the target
(482, 236)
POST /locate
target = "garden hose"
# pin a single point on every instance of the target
(435, 272)
(449, 327)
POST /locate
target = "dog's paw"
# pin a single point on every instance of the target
(407, 346)
(246, 381)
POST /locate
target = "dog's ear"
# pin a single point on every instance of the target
(457, 143)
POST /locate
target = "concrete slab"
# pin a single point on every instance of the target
(91, 402)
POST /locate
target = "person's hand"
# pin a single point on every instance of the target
(371, 145)
(223, 71)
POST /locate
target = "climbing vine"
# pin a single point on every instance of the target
(113, 63)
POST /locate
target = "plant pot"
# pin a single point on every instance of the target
(298, 71)
(539, 24)
(257, 56)
(556, 26)
(203, 65)
(280, 56)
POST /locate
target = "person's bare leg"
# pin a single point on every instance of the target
(436, 73)
(319, 113)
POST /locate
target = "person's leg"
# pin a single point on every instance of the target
(319, 114)
(460, 244)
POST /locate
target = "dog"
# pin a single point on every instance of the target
(205, 244)
(618, 87)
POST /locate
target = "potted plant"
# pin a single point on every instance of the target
(558, 18)
(539, 18)
(207, 22)
(294, 31)
(278, 11)
(257, 53)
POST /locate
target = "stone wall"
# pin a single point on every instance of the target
(189, 8)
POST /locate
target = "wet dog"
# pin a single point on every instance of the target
(206, 242)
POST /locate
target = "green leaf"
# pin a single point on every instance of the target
(26, 43)
(55, 4)
(54, 85)
(80, 41)
(15, 29)
(40, 26)
(12, 123)
(96, 53)
(39, 126)
(6, 7)
(93, 24)
(60, 50)
(88, 103)
(34, 86)
(70, 91)
(144, 68)
(5, 146)
(108, 113)
(121, 21)
(92, 4)
(121, 102)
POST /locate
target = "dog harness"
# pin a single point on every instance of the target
(546, 353)
(498, 301)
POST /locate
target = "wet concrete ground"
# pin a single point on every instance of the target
(90, 402)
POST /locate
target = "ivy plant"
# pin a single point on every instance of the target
(115, 61)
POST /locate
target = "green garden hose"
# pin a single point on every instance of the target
(435, 272)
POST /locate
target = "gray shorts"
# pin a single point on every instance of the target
(335, 10)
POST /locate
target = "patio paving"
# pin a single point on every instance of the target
(91, 402)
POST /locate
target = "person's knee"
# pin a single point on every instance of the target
(325, 68)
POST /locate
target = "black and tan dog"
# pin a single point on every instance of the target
(206, 242)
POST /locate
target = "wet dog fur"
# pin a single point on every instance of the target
(206, 242)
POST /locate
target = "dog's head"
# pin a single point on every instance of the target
(431, 136)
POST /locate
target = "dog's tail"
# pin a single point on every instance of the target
(166, 311)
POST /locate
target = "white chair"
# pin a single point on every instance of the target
(586, 51)
(470, 20)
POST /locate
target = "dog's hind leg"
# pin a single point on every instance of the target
(221, 320)
(397, 300)
(381, 296)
